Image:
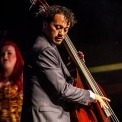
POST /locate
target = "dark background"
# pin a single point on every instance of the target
(98, 34)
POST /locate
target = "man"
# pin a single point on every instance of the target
(47, 82)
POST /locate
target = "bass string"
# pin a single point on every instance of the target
(92, 82)
(113, 116)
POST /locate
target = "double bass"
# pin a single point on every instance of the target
(93, 113)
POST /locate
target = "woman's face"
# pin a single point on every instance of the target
(8, 57)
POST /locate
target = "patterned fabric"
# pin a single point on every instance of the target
(10, 103)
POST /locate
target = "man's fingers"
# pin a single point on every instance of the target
(101, 100)
(103, 105)
(81, 55)
(107, 99)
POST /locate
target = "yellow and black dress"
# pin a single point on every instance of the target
(10, 103)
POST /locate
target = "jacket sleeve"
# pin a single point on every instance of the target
(48, 62)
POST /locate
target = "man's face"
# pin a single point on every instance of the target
(57, 29)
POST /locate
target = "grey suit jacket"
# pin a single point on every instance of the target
(48, 89)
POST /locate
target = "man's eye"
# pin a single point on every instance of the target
(58, 27)
(66, 29)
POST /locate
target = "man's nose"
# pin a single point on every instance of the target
(61, 32)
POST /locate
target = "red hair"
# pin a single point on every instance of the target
(17, 74)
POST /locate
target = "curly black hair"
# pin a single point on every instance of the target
(48, 14)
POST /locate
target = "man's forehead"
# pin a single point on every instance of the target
(60, 18)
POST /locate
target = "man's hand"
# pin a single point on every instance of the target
(81, 56)
(101, 100)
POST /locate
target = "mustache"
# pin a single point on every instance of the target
(59, 37)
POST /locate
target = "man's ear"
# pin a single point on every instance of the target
(45, 25)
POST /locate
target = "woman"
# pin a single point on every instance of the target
(11, 82)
